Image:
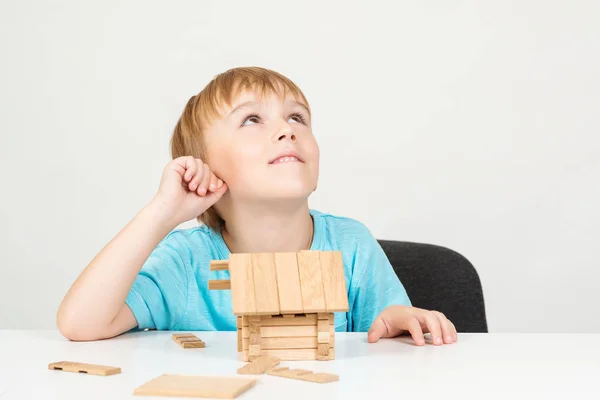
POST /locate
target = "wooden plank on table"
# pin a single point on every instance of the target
(265, 283)
(242, 284)
(310, 319)
(334, 281)
(91, 369)
(195, 386)
(288, 283)
(311, 281)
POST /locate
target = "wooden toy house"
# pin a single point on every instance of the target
(284, 302)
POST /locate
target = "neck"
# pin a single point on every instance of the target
(268, 228)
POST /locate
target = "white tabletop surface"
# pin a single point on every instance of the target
(478, 366)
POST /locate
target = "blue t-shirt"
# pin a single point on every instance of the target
(171, 290)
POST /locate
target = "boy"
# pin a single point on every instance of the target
(244, 163)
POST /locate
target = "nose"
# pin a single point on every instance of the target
(286, 132)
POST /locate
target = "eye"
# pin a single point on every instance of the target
(255, 119)
(298, 118)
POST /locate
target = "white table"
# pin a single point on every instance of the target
(478, 366)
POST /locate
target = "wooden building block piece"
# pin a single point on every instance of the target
(287, 331)
(334, 281)
(311, 281)
(265, 283)
(310, 319)
(288, 283)
(238, 322)
(242, 287)
(323, 351)
(323, 337)
(219, 284)
(304, 375)
(188, 340)
(239, 340)
(195, 386)
(323, 325)
(219, 265)
(288, 354)
(91, 369)
(259, 365)
(254, 350)
(287, 343)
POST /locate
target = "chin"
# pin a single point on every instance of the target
(289, 191)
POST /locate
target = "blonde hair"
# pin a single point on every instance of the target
(203, 108)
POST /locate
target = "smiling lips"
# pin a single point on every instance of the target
(286, 158)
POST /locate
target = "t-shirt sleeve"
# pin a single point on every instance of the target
(158, 296)
(374, 286)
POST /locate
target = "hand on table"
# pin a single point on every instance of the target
(398, 320)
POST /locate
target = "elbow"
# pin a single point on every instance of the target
(73, 329)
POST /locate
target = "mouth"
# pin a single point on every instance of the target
(286, 158)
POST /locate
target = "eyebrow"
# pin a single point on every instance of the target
(252, 102)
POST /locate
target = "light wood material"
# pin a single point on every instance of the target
(288, 283)
(310, 319)
(288, 343)
(334, 286)
(195, 386)
(188, 340)
(219, 265)
(265, 283)
(323, 351)
(222, 284)
(289, 354)
(259, 366)
(91, 369)
(242, 284)
(311, 281)
(304, 375)
(282, 331)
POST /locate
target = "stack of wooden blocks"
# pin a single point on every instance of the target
(284, 302)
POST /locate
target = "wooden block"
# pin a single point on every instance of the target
(323, 351)
(288, 354)
(288, 316)
(91, 369)
(195, 386)
(323, 315)
(323, 325)
(323, 337)
(242, 286)
(239, 337)
(265, 283)
(288, 343)
(254, 350)
(288, 283)
(334, 281)
(311, 281)
(238, 322)
(188, 340)
(310, 319)
(282, 331)
(259, 365)
(222, 284)
(304, 375)
(219, 265)
(331, 336)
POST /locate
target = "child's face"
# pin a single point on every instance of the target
(245, 148)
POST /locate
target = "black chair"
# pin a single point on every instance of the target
(437, 278)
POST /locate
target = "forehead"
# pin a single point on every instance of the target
(253, 98)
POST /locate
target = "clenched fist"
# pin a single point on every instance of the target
(188, 188)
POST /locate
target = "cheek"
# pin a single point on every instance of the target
(240, 163)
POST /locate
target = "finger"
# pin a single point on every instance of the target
(455, 336)
(195, 182)
(213, 197)
(377, 330)
(190, 168)
(203, 187)
(447, 327)
(213, 182)
(414, 327)
(433, 325)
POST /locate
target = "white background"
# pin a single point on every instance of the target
(472, 125)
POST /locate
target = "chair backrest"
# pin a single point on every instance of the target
(437, 278)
